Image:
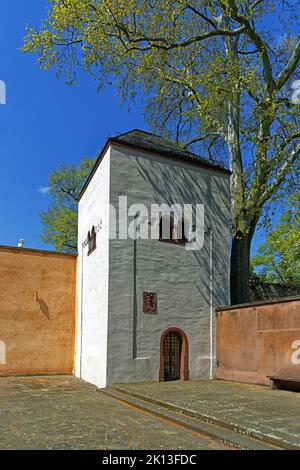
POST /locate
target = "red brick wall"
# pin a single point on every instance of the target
(255, 341)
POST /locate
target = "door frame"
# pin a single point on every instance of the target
(184, 359)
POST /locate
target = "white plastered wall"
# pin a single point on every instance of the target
(92, 279)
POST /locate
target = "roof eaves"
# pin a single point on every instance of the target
(170, 155)
(173, 155)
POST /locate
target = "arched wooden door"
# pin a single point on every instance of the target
(173, 355)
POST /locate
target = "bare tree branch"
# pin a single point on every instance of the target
(281, 174)
(197, 139)
(289, 68)
(204, 17)
(258, 42)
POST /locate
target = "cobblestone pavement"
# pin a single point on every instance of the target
(65, 413)
(255, 407)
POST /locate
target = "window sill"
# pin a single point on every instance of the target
(173, 242)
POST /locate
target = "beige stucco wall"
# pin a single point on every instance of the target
(37, 312)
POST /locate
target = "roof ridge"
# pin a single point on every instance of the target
(164, 140)
(143, 131)
(152, 134)
(165, 148)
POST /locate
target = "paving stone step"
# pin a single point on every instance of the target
(252, 433)
(220, 434)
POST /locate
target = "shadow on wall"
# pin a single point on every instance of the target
(43, 307)
(163, 180)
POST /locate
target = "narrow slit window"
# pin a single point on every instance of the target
(92, 240)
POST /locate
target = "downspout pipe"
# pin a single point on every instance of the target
(211, 305)
(81, 306)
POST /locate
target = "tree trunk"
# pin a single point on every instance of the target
(240, 269)
(240, 253)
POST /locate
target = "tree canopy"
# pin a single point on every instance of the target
(215, 74)
(59, 222)
(278, 259)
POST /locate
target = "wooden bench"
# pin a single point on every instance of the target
(280, 382)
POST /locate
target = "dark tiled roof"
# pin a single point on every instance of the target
(154, 143)
(262, 293)
(260, 290)
(158, 145)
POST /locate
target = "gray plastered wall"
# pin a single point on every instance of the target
(181, 278)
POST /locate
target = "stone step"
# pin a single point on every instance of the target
(218, 433)
(252, 433)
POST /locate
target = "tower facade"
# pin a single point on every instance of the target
(153, 263)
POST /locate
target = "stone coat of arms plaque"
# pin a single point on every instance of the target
(149, 302)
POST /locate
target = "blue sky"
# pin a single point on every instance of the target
(44, 123)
